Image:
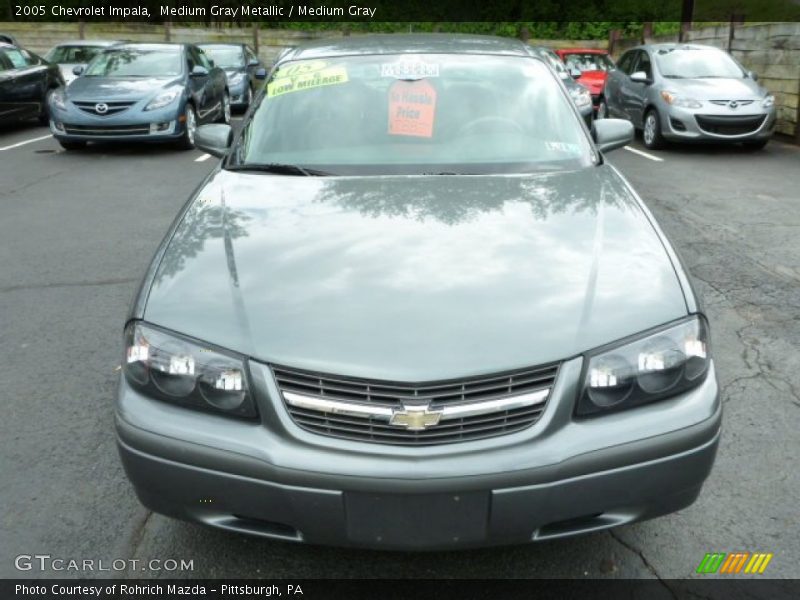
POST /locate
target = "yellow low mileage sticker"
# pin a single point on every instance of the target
(305, 76)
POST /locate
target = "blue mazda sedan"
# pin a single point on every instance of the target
(141, 92)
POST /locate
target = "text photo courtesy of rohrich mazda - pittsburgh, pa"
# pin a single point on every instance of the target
(303, 299)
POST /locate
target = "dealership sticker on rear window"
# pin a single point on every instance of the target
(409, 69)
(412, 108)
(305, 76)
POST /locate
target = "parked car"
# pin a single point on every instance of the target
(25, 82)
(414, 307)
(242, 67)
(141, 92)
(579, 93)
(7, 38)
(70, 55)
(690, 92)
(590, 67)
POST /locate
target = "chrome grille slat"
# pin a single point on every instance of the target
(469, 409)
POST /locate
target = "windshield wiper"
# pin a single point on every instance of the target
(278, 168)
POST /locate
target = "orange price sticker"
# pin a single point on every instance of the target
(412, 108)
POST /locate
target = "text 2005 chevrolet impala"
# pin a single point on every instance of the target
(414, 308)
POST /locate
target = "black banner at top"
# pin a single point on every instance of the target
(283, 11)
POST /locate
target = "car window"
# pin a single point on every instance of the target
(19, 58)
(588, 61)
(136, 62)
(5, 64)
(626, 62)
(415, 114)
(697, 63)
(226, 57)
(73, 54)
(201, 58)
(555, 62)
(644, 64)
(250, 54)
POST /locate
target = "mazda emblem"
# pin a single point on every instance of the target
(101, 108)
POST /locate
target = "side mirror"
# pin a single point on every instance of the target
(752, 75)
(253, 62)
(215, 139)
(261, 73)
(199, 71)
(640, 77)
(77, 70)
(574, 72)
(611, 134)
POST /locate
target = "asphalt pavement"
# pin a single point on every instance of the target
(77, 230)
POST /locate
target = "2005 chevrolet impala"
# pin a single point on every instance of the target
(415, 308)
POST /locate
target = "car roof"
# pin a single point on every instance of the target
(676, 45)
(152, 45)
(581, 51)
(220, 44)
(423, 43)
(100, 43)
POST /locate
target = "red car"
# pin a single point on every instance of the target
(594, 66)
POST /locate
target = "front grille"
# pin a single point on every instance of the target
(112, 108)
(113, 130)
(730, 124)
(737, 103)
(385, 396)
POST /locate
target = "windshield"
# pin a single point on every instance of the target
(555, 62)
(225, 56)
(135, 62)
(73, 54)
(415, 114)
(697, 63)
(587, 61)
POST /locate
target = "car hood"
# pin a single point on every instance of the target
(117, 88)
(593, 76)
(716, 89)
(414, 278)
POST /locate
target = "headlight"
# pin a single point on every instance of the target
(768, 101)
(58, 100)
(581, 96)
(163, 100)
(650, 368)
(674, 100)
(180, 371)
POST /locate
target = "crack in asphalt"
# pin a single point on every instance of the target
(67, 284)
(32, 183)
(648, 565)
(136, 538)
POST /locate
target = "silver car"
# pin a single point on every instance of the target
(689, 92)
(69, 55)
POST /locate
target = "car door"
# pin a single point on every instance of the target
(199, 86)
(615, 82)
(24, 84)
(637, 99)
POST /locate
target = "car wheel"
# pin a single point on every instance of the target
(602, 109)
(189, 128)
(72, 144)
(755, 145)
(225, 117)
(651, 132)
(248, 100)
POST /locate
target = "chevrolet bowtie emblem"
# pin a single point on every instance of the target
(415, 418)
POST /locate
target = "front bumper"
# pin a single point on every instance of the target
(558, 478)
(133, 124)
(717, 124)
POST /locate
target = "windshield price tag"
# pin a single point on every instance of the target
(409, 69)
(412, 108)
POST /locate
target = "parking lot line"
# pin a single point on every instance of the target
(18, 144)
(645, 154)
(202, 158)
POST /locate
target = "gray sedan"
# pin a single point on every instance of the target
(140, 92)
(79, 53)
(414, 307)
(689, 92)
